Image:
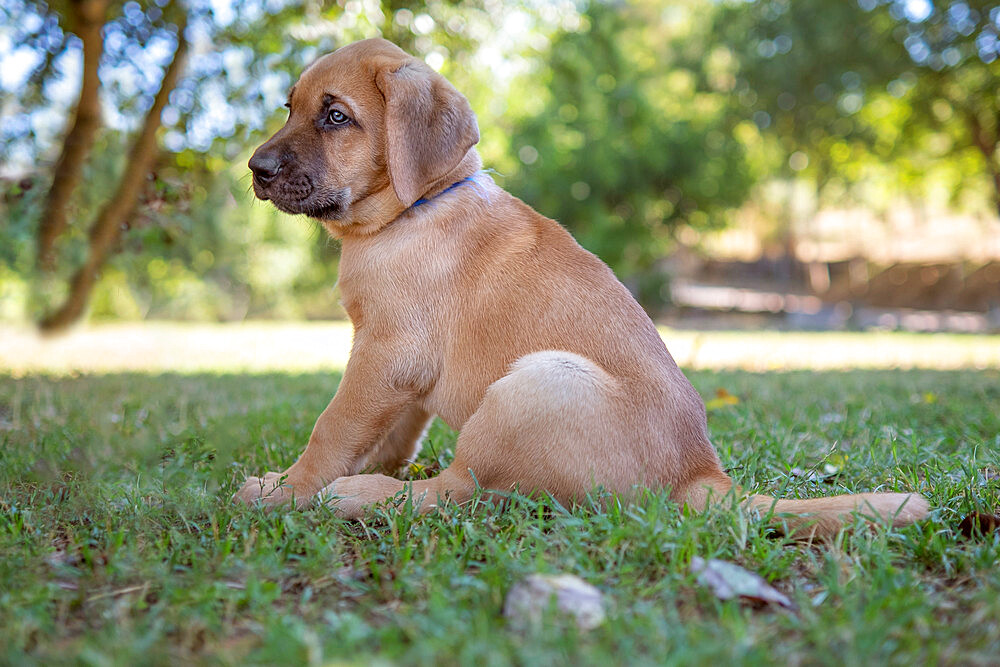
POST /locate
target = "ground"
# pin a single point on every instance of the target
(118, 543)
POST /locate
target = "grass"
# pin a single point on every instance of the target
(118, 544)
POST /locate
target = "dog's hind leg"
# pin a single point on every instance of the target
(545, 426)
(549, 425)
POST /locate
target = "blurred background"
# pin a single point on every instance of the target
(789, 164)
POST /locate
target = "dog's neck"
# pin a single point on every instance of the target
(469, 165)
(372, 213)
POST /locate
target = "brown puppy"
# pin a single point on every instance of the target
(469, 305)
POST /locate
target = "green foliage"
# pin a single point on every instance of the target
(626, 146)
(120, 544)
(200, 247)
(907, 92)
(627, 122)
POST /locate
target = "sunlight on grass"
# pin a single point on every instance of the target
(179, 347)
(780, 350)
(258, 347)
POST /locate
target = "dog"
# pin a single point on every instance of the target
(469, 305)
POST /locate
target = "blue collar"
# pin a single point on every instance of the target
(421, 201)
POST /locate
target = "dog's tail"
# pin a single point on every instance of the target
(812, 518)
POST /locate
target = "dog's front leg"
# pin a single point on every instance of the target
(369, 402)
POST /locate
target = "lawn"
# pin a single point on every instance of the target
(118, 543)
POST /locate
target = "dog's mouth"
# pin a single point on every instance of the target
(299, 196)
(323, 206)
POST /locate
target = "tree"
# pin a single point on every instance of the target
(140, 94)
(835, 83)
(628, 146)
(112, 218)
(187, 125)
(955, 46)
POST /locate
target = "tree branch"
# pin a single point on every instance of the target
(112, 217)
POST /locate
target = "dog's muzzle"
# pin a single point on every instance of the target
(279, 178)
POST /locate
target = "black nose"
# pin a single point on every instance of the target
(265, 166)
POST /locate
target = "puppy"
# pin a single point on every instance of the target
(469, 305)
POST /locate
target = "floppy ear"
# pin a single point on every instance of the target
(429, 127)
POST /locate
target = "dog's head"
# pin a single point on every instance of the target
(370, 130)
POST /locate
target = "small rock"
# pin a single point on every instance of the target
(529, 598)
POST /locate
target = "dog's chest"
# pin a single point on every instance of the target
(393, 278)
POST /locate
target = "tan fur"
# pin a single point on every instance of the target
(475, 308)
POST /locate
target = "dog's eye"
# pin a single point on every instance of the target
(337, 117)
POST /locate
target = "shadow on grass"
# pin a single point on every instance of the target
(867, 424)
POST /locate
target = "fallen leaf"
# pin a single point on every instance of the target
(810, 475)
(57, 558)
(728, 580)
(836, 459)
(529, 598)
(827, 475)
(979, 524)
(721, 400)
(118, 592)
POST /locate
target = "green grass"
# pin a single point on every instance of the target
(118, 543)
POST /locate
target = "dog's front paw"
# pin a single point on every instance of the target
(351, 497)
(346, 497)
(270, 490)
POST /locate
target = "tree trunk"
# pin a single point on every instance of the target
(88, 17)
(996, 189)
(987, 142)
(112, 217)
